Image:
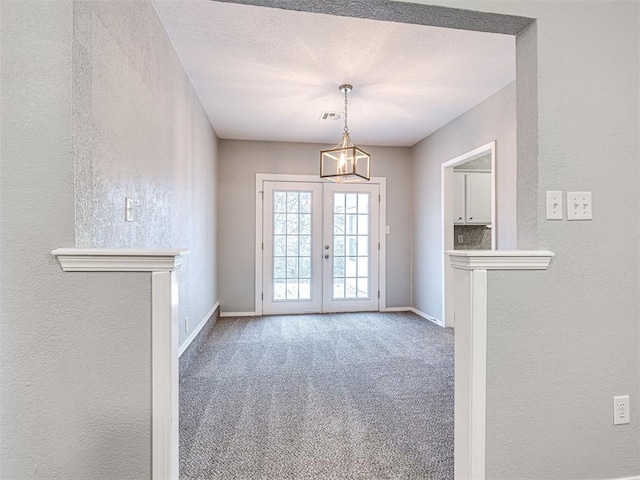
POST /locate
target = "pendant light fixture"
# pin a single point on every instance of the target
(345, 163)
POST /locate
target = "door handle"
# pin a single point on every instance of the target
(327, 247)
(326, 255)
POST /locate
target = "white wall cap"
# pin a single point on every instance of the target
(119, 259)
(500, 259)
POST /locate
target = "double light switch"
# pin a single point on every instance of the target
(579, 206)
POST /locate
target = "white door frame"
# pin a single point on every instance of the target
(446, 189)
(314, 303)
(276, 177)
(329, 304)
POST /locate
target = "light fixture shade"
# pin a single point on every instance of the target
(345, 163)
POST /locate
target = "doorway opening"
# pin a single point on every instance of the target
(526, 81)
(468, 199)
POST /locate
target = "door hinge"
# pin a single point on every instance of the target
(379, 198)
(378, 245)
(378, 293)
(262, 245)
(262, 296)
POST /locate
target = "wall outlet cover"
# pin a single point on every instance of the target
(621, 414)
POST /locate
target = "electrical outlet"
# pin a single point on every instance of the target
(621, 410)
(554, 205)
(579, 206)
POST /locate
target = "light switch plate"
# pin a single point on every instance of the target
(554, 205)
(579, 206)
(128, 209)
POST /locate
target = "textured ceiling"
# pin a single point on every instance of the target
(268, 74)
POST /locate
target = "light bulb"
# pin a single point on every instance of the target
(342, 163)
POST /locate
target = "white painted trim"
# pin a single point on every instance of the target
(161, 263)
(382, 238)
(196, 330)
(285, 177)
(471, 300)
(240, 314)
(499, 259)
(259, 242)
(624, 478)
(397, 309)
(478, 373)
(440, 323)
(164, 375)
(446, 234)
(277, 177)
(417, 312)
(119, 259)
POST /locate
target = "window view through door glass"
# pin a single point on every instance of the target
(351, 245)
(291, 245)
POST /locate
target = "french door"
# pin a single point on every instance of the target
(320, 247)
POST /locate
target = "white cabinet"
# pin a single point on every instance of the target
(458, 199)
(472, 198)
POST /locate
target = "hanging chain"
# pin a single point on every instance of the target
(346, 129)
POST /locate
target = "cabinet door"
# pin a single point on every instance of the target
(478, 198)
(458, 199)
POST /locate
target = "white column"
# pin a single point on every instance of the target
(470, 310)
(162, 265)
(164, 372)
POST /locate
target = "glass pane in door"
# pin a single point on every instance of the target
(291, 273)
(351, 225)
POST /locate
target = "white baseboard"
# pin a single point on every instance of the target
(428, 317)
(196, 331)
(396, 309)
(238, 314)
(389, 309)
(626, 478)
(417, 312)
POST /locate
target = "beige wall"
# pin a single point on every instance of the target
(75, 356)
(139, 131)
(562, 343)
(95, 106)
(493, 119)
(241, 160)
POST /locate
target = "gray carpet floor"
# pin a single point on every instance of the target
(334, 396)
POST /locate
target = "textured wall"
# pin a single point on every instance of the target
(481, 163)
(475, 237)
(140, 132)
(493, 119)
(571, 332)
(75, 359)
(544, 347)
(239, 163)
